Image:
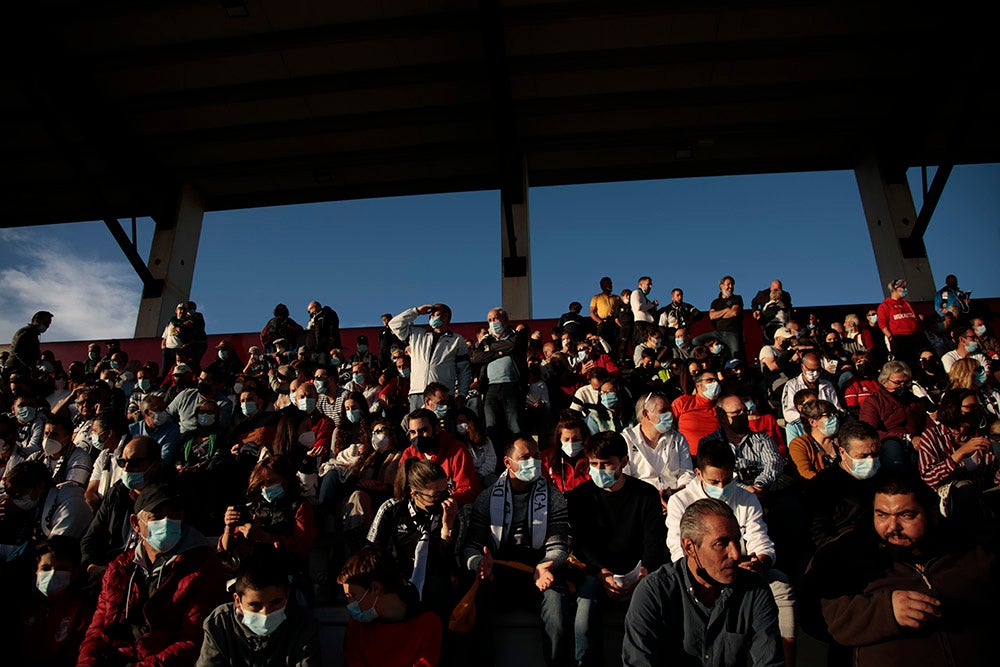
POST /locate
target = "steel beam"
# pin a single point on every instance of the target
(931, 198)
(152, 287)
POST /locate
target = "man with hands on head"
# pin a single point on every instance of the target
(436, 355)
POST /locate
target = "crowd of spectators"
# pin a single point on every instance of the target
(172, 511)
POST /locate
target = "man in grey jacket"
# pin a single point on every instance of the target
(436, 355)
(703, 609)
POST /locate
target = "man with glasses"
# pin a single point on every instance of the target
(107, 441)
(694, 414)
(156, 424)
(110, 533)
(35, 506)
(968, 347)
(808, 378)
(897, 415)
(758, 463)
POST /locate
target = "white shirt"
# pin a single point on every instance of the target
(666, 465)
(949, 359)
(587, 394)
(640, 306)
(824, 388)
(745, 506)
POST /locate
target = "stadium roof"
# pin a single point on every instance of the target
(111, 106)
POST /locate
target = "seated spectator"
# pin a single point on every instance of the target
(429, 441)
(263, 624)
(418, 529)
(107, 439)
(657, 453)
(522, 519)
(694, 414)
(817, 449)
(989, 343)
(110, 532)
(839, 497)
(10, 452)
(64, 460)
(618, 534)
(54, 618)
(590, 357)
(362, 382)
(354, 425)
(765, 422)
(472, 431)
(388, 625)
(758, 463)
(564, 463)
(611, 413)
(157, 425)
(897, 415)
(305, 401)
(184, 408)
(258, 425)
(145, 384)
(874, 593)
(966, 347)
(156, 596)
(808, 378)
(227, 363)
(199, 446)
(587, 396)
(715, 479)
(956, 458)
(676, 612)
(274, 514)
(30, 423)
(862, 385)
(930, 376)
(256, 362)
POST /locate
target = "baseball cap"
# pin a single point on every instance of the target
(782, 332)
(155, 496)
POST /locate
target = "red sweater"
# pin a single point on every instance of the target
(695, 418)
(456, 460)
(898, 316)
(563, 474)
(413, 642)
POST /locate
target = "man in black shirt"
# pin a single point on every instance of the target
(618, 534)
(25, 347)
(726, 314)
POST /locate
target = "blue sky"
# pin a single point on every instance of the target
(383, 255)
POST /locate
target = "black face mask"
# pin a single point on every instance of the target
(205, 389)
(425, 444)
(740, 425)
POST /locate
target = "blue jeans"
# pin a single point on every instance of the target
(502, 407)
(896, 456)
(328, 489)
(587, 627)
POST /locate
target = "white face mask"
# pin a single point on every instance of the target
(51, 447)
(380, 441)
(52, 582)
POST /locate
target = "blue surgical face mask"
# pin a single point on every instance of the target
(359, 378)
(718, 492)
(249, 408)
(306, 404)
(711, 391)
(981, 330)
(979, 379)
(362, 348)
(353, 416)
(679, 342)
(163, 534)
(435, 321)
(572, 449)
(334, 361)
(664, 422)
(133, 480)
(366, 616)
(609, 400)
(496, 328)
(716, 349)
(25, 414)
(831, 426)
(582, 355)
(604, 479)
(905, 292)
(441, 410)
(205, 419)
(145, 384)
(404, 372)
(528, 470)
(320, 386)
(864, 468)
(972, 346)
(750, 405)
(273, 492)
(263, 624)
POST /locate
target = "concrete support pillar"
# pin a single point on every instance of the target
(516, 251)
(171, 259)
(891, 216)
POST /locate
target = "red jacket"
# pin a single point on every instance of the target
(192, 584)
(898, 316)
(563, 474)
(456, 460)
(893, 417)
(695, 418)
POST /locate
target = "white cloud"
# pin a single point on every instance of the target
(90, 299)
